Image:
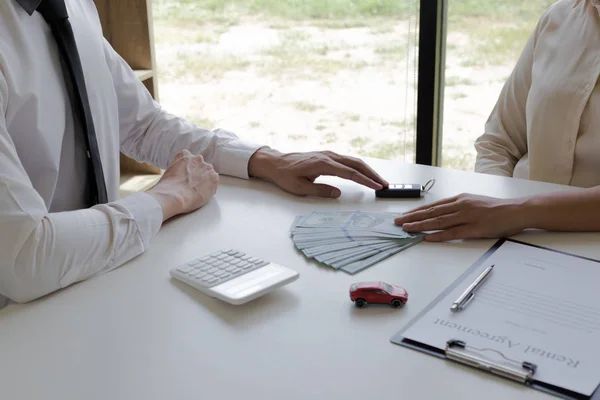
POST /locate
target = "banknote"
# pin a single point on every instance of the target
(346, 253)
(348, 234)
(351, 232)
(357, 220)
(344, 260)
(305, 244)
(323, 249)
(325, 219)
(350, 240)
(358, 266)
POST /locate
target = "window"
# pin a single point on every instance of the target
(387, 288)
(296, 75)
(483, 42)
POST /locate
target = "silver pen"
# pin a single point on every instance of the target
(468, 294)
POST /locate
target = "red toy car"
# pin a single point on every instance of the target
(377, 293)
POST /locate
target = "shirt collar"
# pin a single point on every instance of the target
(29, 5)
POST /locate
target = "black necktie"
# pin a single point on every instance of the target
(55, 13)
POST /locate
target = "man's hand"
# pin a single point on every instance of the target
(466, 216)
(296, 172)
(186, 185)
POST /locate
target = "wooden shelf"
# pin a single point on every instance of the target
(144, 74)
(127, 26)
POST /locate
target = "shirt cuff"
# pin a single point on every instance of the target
(234, 156)
(147, 213)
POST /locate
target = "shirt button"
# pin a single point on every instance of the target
(588, 87)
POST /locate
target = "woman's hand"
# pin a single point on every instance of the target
(466, 216)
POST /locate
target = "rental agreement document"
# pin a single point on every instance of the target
(537, 305)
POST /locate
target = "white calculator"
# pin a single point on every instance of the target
(233, 276)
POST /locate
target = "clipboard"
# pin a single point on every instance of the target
(520, 371)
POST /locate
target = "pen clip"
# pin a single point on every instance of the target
(469, 293)
(467, 300)
(457, 306)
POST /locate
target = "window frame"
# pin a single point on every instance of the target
(433, 18)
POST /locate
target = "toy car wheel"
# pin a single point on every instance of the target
(397, 303)
(360, 303)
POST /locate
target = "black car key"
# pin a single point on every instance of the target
(405, 190)
(401, 191)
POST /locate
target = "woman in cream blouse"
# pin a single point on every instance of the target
(545, 127)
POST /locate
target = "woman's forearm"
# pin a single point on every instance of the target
(572, 211)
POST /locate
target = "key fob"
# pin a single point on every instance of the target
(401, 191)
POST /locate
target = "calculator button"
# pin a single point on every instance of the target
(185, 269)
(219, 267)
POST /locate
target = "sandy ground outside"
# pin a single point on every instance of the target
(303, 86)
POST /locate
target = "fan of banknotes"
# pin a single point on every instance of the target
(350, 241)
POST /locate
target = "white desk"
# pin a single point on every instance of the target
(136, 334)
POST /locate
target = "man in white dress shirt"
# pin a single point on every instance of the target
(49, 238)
